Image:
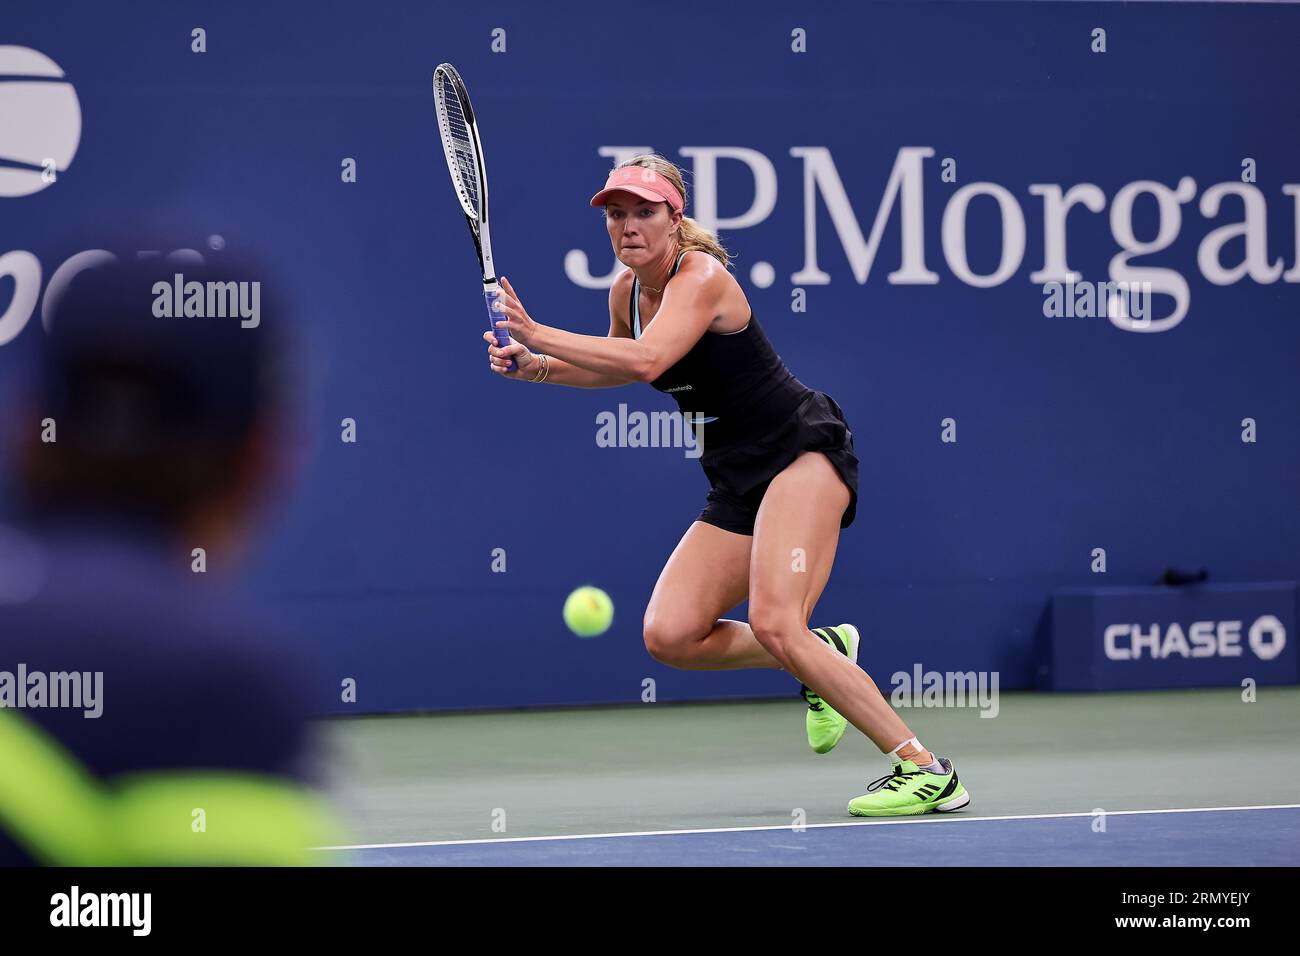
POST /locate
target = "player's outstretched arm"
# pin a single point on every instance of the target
(557, 371)
(686, 313)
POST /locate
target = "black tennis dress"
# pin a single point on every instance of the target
(756, 418)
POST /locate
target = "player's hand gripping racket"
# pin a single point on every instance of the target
(464, 152)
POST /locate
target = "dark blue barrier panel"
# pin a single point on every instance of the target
(899, 183)
(1152, 638)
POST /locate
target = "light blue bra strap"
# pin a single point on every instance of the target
(636, 297)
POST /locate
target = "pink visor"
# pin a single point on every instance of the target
(640, 181)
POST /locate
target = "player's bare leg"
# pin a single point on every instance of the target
(706, 576)
(795, 538)
(802, 510)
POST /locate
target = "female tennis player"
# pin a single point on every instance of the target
(778, 455)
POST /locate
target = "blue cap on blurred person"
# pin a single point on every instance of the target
(123, 365)
(166, 381)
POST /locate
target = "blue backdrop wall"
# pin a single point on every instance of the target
(1072, 433)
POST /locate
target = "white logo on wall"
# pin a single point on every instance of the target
(904, 199)
(40, 121)
(1131, 642)
(1267, 637)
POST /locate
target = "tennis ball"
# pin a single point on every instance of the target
(588, 611)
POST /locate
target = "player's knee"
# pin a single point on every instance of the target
(667, 641)
(775, 627)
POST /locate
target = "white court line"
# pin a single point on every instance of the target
(861, 821)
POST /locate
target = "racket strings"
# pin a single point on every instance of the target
(459, 143)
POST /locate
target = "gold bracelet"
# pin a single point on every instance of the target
(546, 363)
(541, 367)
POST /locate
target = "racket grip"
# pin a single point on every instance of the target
(501, 335)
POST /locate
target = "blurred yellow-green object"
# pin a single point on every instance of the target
(63, 816)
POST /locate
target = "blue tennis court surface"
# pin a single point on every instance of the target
(721, 785)
(1218, 837)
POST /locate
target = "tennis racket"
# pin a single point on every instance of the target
(464, 152)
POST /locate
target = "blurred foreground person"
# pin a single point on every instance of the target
(144, 720)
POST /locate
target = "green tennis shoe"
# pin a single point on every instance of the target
(911, 791)
(825, 725)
